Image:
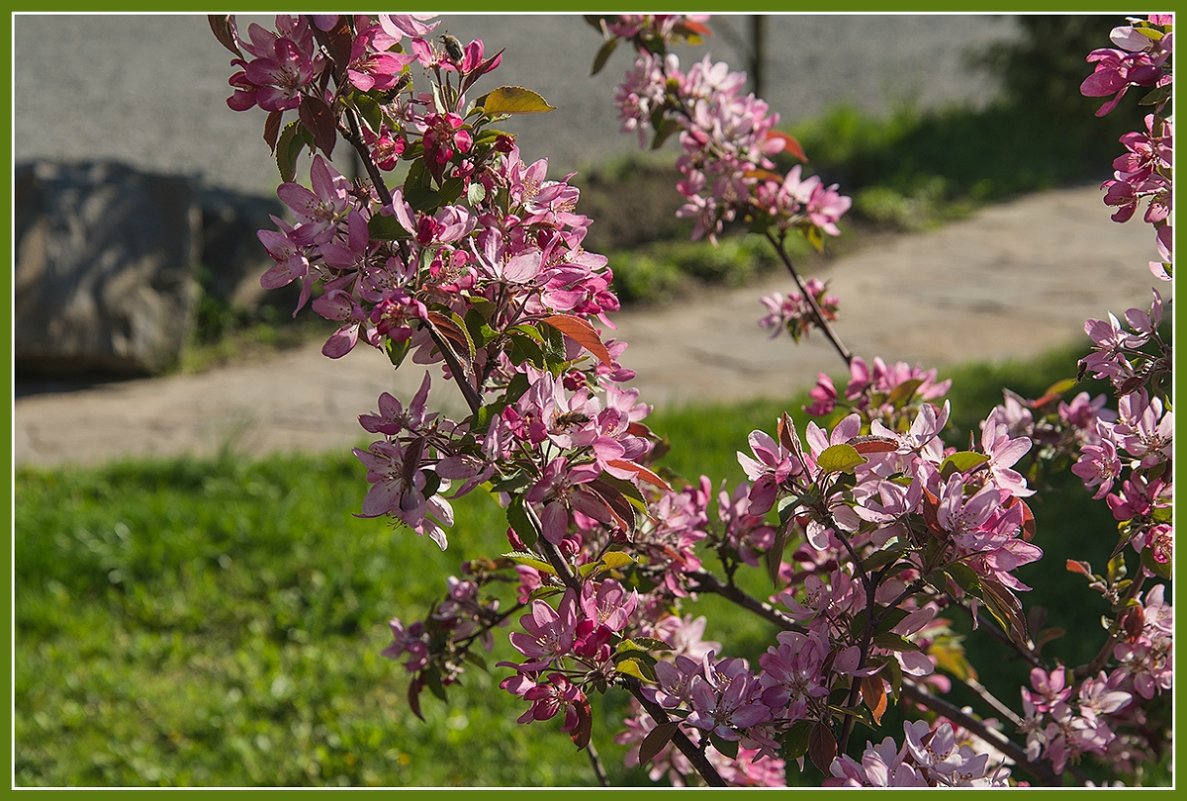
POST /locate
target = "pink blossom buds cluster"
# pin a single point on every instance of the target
(727, 138)
(793, 314)
(929, 757)
(1141, 58)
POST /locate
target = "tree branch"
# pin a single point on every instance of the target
(707, 582)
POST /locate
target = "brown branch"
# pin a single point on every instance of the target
(707, 582)
(596, 763)
(355, 137)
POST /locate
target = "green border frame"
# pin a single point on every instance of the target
(445, 7)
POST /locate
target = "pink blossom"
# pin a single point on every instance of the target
(548, 633)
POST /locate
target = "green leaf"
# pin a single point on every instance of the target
(904, 391)
(894, 642)
(522, 349)
(841, 458)
(615, 560)
(656, 739)
(795, 742)
(476, 193)
(1160, 569)
(530, 560)
(638, 669)
(881, 558)
(1156, 96)
(651, 644)
(961, 462)
(603, 55)
(1060, 387)
(369, 110)
(965, 577)
(396, 351)
(663, 131)
(513, 100)
(292, 139)
(383, 227)
(521, 518)
(727, 747)
(489, 136)
(417, 189)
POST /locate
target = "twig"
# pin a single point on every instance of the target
(596, 762)
(707, 582)
(817, 313)
(355, 138)
(1106, 650)
(991, 699)
(982, 623)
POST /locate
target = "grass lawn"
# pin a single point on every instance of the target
(219, 622)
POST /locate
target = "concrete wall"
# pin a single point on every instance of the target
(150, 89)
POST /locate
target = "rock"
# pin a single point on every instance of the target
(232, 256)
(106, 260)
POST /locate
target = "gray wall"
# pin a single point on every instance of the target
(151, 89)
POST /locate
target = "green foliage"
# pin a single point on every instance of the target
(913, 169)
(220, 622)
(662, 271)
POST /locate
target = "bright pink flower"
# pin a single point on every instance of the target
(547, 633)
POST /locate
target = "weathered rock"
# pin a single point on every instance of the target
(232, 255)
(105, 268)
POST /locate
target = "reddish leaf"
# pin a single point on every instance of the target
(641, 472)
(822, 747)
(620, 507)
(1028, 522)
(786, 432)
(337, 42)
(930, 506)
(872, 443)
(272, 129)
(696, 28)
(449, 330)
(873, 692)
(765, 175)
(639, 430)
(790, 144)
(656, 739)
(582, 333)
(319, 121)
(414, 688)
(220, 25)
(581, 734)
(1083, 568)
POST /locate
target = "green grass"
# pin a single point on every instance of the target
(219, 622)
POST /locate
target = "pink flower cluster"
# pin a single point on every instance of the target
(1142, 58)
(929, 757)
(727, 138)
(792, 313)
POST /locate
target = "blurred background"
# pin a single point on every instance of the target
(193, 608)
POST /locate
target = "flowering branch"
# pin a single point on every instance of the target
(817, 315)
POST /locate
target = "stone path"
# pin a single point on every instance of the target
(1009, 282)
